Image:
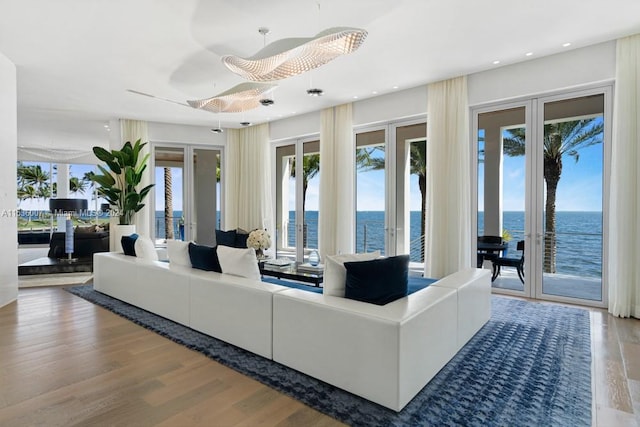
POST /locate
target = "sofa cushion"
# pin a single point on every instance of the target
(87, 229)
(226, 238)
(128, 244)
(204, 257)
(145, 248)
(335, 274)
(178, 253)
(239, 262)
(378, 281)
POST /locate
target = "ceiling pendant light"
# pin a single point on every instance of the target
(219, 128)
(290, 57)
(245, 96)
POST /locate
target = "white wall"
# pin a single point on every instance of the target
(8, 203)
(571, 69)
(167, 132)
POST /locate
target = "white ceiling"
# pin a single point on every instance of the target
(77, 59)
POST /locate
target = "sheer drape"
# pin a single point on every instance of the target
(337, 182)
(132, 130)
(448, 215)
(248, 198)
(624, 201)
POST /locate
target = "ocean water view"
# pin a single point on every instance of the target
(579, 236)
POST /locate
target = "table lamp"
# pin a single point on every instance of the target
(68, 207)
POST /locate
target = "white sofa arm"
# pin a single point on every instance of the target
(473, 286)
(383, 353)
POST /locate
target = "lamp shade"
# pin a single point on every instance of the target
(67, 206)
(290, 57)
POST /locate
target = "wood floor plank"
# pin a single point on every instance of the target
(68, 362)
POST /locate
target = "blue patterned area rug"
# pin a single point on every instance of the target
(530, 365)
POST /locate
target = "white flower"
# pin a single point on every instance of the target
(259, 239)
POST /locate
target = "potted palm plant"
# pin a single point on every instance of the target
(119, 180)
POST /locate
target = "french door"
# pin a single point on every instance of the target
(391, 188)
(541, 171)
(187, 195)
(297, 177)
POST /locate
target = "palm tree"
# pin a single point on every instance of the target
(561, 138)
(77, 185)
(417, 166)
(310, 168)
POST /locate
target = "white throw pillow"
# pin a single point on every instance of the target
(178, 252)
(335, 275)
(239, 262)
(145, 249)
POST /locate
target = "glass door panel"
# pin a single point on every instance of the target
(168, 193)
(410, 188)
(310, 194)
(571, 211)
(286, 201)
(370, 191)
(502, 138)
(204, 216)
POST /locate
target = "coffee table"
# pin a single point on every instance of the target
(291, 272)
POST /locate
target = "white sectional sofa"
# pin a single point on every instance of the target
(385, 354)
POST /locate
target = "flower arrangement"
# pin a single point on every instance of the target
(259, 239)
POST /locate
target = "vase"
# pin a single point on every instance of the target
(259, 254)
(314, 258)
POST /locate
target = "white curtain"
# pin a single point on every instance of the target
(624, 200)
(337, 182)
(132, 130)
(247, 172)
(448, 214)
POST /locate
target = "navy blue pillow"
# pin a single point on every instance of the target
(226, 238)
(129, 244)
(379, 281)
(204, 257)
(241, 238)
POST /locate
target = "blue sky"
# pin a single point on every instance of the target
(579, 188)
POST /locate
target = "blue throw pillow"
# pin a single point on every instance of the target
(129, 244)
(241, 238)
(204, 257)
(226, 238)
(379, 281)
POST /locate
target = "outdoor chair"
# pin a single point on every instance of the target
(517, 263)
(488, 255)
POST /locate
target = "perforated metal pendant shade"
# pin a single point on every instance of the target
(289, 57)
(242, 97)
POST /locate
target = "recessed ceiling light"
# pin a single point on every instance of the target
(315, 92)
(375, 92)
(355, 96)
(528, 54)
(566, 44)
(496, 62)
(395, 87)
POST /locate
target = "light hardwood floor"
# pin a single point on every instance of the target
(65, 361)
